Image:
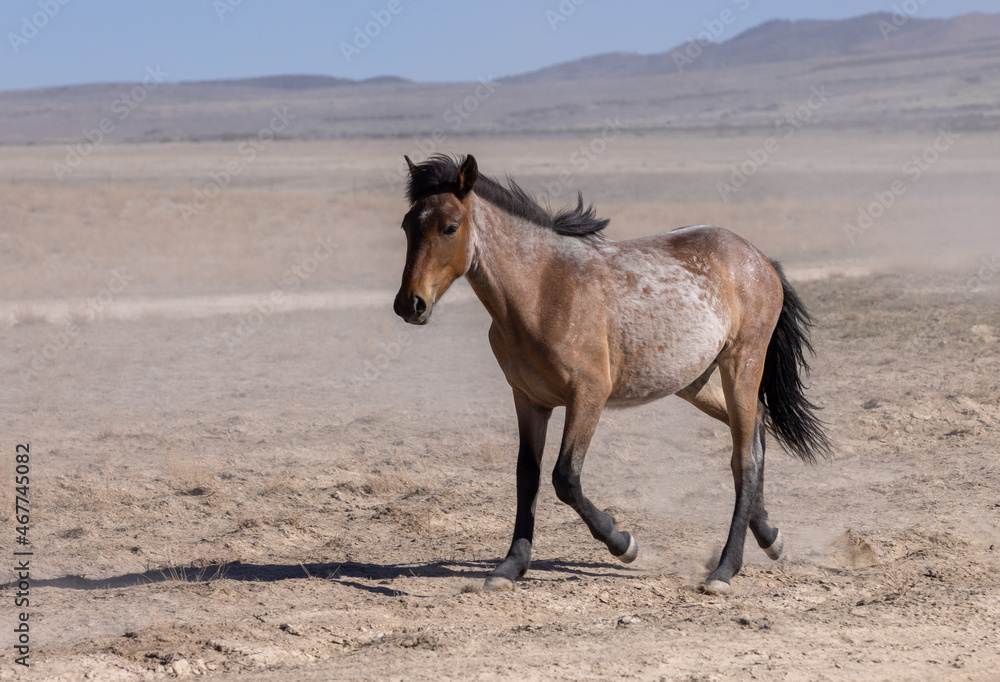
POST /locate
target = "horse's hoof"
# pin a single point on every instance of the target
(777, 547)
(631, 553)
(716, 587)
(498, 582)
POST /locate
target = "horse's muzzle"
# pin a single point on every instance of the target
(414, 309)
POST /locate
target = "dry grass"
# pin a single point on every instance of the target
(106, 493)
(248, 521)
(282, 484)
(496, 441)
(108, 432)
(386, 482)
(893, 307)
(290, 525)
(187, 474)
(203, 574)
(897, 578)
(381, 471)
(339, 542)
(491, 450)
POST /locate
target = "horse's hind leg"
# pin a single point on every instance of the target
(740, 371)
(708, 396)
(532, 423)
(768, 537)
(581, 422)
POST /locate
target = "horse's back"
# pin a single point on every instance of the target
(698, 241)
(719, 262)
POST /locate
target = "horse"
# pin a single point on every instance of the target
(585, 322)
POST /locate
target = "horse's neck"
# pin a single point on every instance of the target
(510, 256)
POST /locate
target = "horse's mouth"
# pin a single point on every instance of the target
(419, 320)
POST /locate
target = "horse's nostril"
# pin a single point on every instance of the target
(419, 305)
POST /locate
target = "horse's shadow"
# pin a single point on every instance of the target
(377, 576)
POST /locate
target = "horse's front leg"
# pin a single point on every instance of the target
(582, 415)
(532, 423)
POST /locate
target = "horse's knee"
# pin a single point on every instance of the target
(567, 485)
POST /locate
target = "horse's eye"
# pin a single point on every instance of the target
(451, 229)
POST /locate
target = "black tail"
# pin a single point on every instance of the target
(789, 415)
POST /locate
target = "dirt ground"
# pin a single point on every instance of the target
(228, 486)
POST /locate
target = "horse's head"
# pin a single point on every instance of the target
(439, 241)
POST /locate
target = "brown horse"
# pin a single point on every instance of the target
(585, 322)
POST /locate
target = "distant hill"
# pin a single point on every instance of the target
(782, 41)
(288, 83)
(297, 82)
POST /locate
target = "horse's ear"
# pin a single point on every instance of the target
(467, 176)
(409, 164)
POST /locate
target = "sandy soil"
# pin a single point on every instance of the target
(321, 496)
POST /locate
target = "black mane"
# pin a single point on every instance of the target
(439, 174)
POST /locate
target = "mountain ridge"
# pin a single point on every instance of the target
(780, 40)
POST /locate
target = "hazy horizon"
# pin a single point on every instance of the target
(53, 43)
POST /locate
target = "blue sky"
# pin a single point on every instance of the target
(65, 42)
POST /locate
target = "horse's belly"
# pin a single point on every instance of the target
(657, 358)
(665, 374)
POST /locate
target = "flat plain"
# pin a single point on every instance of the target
(228, 486)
